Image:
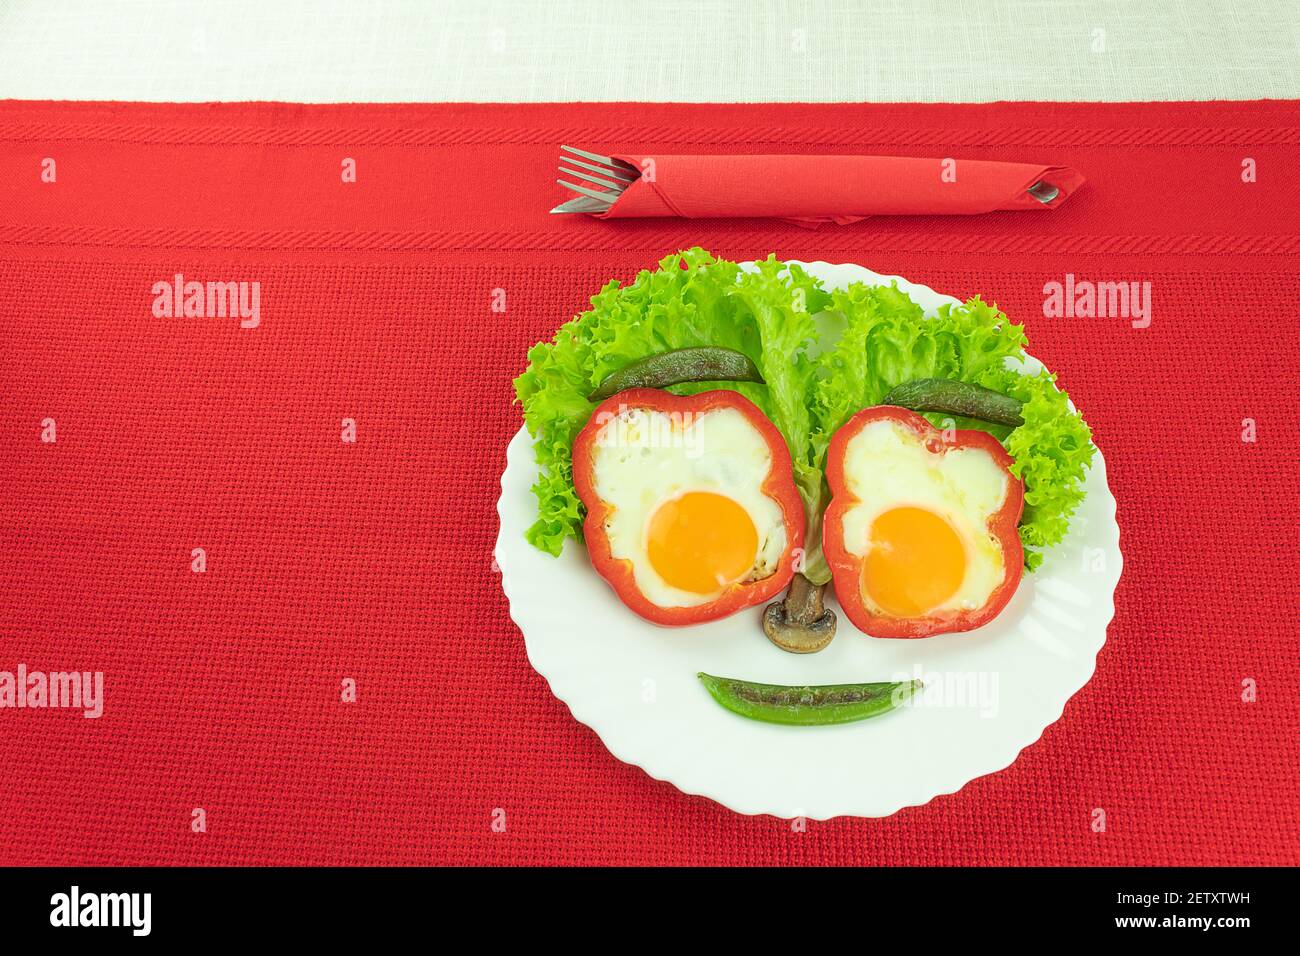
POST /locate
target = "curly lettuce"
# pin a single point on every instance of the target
(887, 341)
(691, 300)
(823, 357)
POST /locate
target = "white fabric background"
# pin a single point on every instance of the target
(687, 50)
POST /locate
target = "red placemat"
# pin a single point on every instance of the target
(372, 560)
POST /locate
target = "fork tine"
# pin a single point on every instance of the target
(616, 187)
(597, 158)
(584, 191)
(607, 173)
(581, 204)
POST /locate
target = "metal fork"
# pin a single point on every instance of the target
(611, 177)
(614, 175)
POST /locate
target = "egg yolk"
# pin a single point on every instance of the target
(701, 542)
(915, 562)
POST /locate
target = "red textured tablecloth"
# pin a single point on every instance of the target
(372, 561)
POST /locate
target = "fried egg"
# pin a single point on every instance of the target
(920, 527)
(683, 504)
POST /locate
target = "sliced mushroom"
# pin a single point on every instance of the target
(800, 624)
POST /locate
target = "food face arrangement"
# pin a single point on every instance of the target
(718, 434)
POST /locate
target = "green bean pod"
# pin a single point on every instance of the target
(956, 398)
(705, 364)
(807, 706)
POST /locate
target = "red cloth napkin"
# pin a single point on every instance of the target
(841, 189)
(386, 239)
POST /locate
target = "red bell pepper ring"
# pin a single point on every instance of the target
(846, 568)
(778, 485)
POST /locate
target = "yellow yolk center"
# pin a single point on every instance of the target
(915, 561)
(701, 542)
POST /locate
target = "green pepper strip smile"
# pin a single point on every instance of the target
(808, 705)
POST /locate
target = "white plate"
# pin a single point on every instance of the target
(990, 692)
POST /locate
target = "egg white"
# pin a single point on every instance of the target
(644, 457)
(887, 466)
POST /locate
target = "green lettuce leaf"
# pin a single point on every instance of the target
(691, 300)
(886, 340)
(782, 302)
(823, 357)
(1052, 451)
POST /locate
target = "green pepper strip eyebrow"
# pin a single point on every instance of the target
(704, 364)
(807, 705)
(956, 398)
